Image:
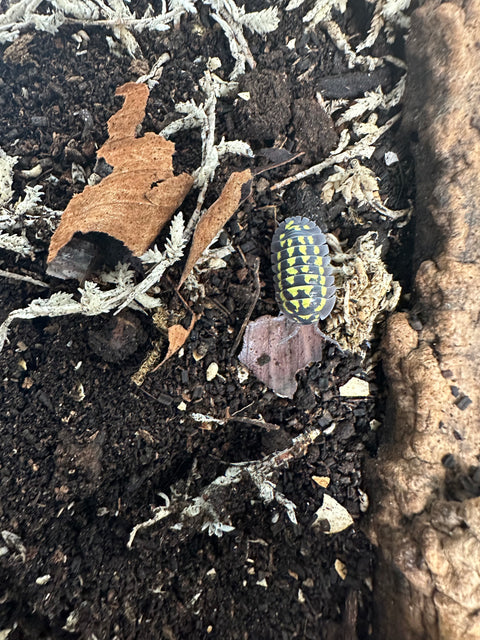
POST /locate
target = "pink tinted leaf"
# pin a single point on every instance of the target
(276, 349)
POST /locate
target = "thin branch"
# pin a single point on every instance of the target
(255, 297)
(17, 276)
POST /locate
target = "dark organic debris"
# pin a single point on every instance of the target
(119, 337)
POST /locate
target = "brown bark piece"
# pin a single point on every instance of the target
(215, 218)
(139, 197)
(425, 482)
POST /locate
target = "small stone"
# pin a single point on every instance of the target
(212, 371)
(341, 569)
(355, 388)
(332, 513)
(463, 402)
(322, 481)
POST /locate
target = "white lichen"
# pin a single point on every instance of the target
(388, 15)
(358, 183)
(212, 259)
(372, 101)
(26, 211)
(233, 19)
(203, 116)
(363, 148)
(112, 15)
(322, 11)
(94, 300)
(366, 291)
(6, 177)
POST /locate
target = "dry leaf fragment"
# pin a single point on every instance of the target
(275, 349)
(139, 197)
(177, 336)
(215, 218)
(341, 569)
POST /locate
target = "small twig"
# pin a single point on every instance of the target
(261, 170)
(268, 426)
(17, 276)
(255, 297)
(175, 289)
(218, 305)
(168, 399)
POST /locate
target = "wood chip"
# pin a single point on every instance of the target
(322, 481)
(341, 569)
(177, 336)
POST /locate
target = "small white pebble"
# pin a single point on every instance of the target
(242, 374)
(332, 511)
(212, 371)
(355, 388)
(262, 583)
(390, 158)
(364, 501)
(182, 406)
(43, 579)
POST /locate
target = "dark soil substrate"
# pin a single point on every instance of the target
(77, 474)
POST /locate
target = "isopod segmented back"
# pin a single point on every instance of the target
(304, 284)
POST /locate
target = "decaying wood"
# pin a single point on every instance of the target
(426, 481)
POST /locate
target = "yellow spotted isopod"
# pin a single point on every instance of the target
(304, 285)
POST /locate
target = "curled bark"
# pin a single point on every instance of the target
(426, 481)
